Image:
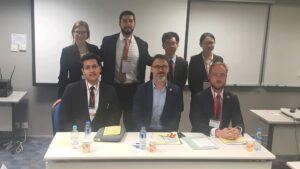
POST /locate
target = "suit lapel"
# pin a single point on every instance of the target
(202, 66)
(76, 52)
(210, 104)
(101, 99)
(177, 65)
(85, 100)
(225, 110)
(169, 94)
(149, 95)
(113, 50)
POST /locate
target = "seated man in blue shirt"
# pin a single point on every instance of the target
(158, 104)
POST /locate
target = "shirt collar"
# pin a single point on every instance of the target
(121, 37)
(154, 87)
(90, 85)
(215, 93)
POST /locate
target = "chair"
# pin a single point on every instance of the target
(55, 118)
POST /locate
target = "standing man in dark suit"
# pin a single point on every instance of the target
(158, 103)
(125, 57)
(89, 99)
(199, 64)
(177, 65)
(214, 108)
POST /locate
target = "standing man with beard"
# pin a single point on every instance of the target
(125, 57)
(158, 104)
(215, 108)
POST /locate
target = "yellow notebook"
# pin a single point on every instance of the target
(112, 130)
(167, 138)
(239, 140)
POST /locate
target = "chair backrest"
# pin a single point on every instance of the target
(55, 118)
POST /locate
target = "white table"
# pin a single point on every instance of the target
(60, 155)
(281, 131)
(294, 164)
(13, 99)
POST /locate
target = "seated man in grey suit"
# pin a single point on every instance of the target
(89, 99)
(213, 109)
(158, 104)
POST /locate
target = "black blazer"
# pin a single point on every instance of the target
(70, 66)
(74, 107)
(108, 55)
(197, 73)
(143, 102)
(202, 111)
(180, 74)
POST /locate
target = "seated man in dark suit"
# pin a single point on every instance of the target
(89, 99)
(158, 104)
(213, 109)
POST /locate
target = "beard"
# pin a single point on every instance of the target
(127, 31)
(161, 78)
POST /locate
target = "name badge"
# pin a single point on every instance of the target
(126, 66)
(214, 123)
(206, 85)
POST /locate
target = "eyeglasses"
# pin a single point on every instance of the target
(80, 32)
(160, 66)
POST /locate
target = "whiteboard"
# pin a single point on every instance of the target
(53, 21)
(239, 30)
(282, 65)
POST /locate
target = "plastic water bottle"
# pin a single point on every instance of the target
(143, 138)
(87, 132)
(258, 139)
(75, 137)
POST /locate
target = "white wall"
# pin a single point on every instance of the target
(36, 107)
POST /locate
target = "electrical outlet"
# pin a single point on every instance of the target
(25, 125)
(17, 125)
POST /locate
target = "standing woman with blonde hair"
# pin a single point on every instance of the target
(70, 65)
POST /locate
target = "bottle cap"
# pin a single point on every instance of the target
(258, 129)
(87, 123)
(74, 127)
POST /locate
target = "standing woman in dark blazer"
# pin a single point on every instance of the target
(199, 64)
(70, 65)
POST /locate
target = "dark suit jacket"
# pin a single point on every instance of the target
(202, 111)
(74, 107)
(70, 66)
(197, 73)
(180, 74)
(143, 102)
(108, 54)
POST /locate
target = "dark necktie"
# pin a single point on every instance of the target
(92, 97)
(171, 70)
(217, 107)
(122, 76)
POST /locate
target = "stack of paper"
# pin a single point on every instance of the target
(200, 143)
(170, 138)
(238, 141)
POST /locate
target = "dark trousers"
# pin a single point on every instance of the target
(125, 94)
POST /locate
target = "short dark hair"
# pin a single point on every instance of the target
(159, 56)
(90, 56)
(169, 35)
(127, 12)
(206, 34)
